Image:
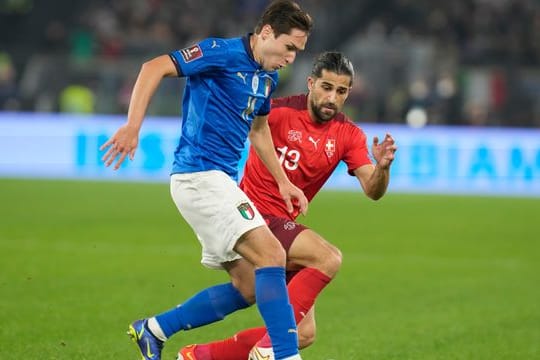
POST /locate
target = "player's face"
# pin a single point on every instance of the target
(327, 95)
(278, 52)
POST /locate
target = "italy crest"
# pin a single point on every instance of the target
(246, 211)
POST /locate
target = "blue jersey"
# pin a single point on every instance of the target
(225, 89)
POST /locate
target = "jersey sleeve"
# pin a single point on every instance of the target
(357, 153)
(264, 109)
(208, 55)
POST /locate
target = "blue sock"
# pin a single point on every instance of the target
(208, 306)
(277, 313)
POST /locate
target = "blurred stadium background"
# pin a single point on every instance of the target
(432, 274)
(466, 72)
(471, 62)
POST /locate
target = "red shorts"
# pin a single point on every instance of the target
(286, 231)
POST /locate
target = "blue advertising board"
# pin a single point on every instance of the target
(433, 159)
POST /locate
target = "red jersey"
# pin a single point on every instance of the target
(309, 152)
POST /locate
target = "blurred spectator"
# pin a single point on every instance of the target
(78, 99)
(463, 62)
(8, 88)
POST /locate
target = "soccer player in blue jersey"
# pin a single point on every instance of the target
(226, 99)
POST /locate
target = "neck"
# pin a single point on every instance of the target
(253, 41)
(311, 113)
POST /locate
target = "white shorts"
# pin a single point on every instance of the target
(217, 210)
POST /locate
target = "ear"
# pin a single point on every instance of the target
(310, 83)
(266, 31)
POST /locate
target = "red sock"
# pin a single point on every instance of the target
(303, 290)
(236, 347)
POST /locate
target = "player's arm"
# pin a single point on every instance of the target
(261, 140)
(124, 142)
(375, 178)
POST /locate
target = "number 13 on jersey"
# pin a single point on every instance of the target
(289, 158)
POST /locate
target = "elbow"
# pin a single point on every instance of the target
(252, 140)
(253, 137)
(375, 195)
(148, 71)
(147, 66)
(158, 67)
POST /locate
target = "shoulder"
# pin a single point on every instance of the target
(290, 106)
(295, 102)
(346, 122)
(207, 50)
(229, 43)
(349, 128)
(288, 109)
(217, 43)
(216, 46)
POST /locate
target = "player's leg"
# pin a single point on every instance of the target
(310, 250)
(320, 261)
(307, 329)
(242, 274)
(261, 248)
(240, 344)
(307, 248)
(223, 217)
(203, 201)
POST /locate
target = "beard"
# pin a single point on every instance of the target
(323, 112)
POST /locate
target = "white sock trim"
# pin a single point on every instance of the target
(154, 327)
(294, 357)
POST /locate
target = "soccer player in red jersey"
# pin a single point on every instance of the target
(311, 136)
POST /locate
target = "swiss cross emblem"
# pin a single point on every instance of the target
(330, 147)
(294, 135)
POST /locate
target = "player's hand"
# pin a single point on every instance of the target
(290, 194)
(384, 152)
(123, 143)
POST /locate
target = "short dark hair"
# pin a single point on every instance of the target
(283, 16)
(332, 61)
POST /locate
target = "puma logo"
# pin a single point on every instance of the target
(214, 44)
(242, 76)
(315, 143)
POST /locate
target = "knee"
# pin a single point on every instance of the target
(274, 254)
(246, 288)
(261, 248)
(331, 261)
(278, 254)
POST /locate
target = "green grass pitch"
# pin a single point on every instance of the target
(424, 277)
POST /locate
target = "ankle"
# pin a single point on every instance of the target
(265, 341)
(202, 352)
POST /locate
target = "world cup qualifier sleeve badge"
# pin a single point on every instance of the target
(191, 53)
(246, 211)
